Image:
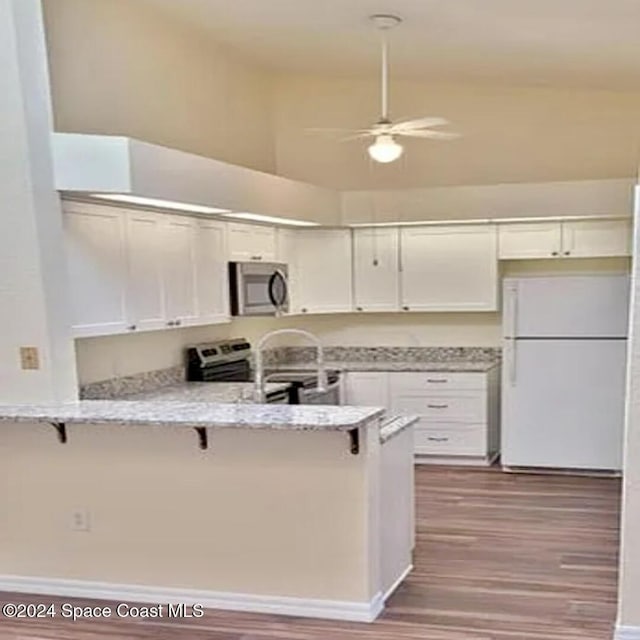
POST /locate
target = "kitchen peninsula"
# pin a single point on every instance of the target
(302, 510)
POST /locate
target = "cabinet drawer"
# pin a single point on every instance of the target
(457, 406)
(440, 381)
(446, 439)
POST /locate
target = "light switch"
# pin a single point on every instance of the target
(29, 358)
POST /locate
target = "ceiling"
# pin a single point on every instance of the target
(587, 43)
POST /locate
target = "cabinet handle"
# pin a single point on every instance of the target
(304, 310)
(132, 327)
(170, 323)
(405, 308)
(555, 253)
(437, 380)
(567, 253)
(438, 406)
(359, 309)
(177, 323)
(256, 257)
(432, 439)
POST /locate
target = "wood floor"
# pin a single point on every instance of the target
(499, 557)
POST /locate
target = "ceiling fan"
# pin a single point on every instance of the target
(385, 148)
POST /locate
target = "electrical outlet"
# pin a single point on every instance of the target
(29, 358)
(80, 520)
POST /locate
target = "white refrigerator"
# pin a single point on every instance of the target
(563, 387)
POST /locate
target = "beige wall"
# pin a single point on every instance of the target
(510, 134)
(119, 67)
(112, 356)
(164, 513)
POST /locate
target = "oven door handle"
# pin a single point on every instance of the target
(276, 276)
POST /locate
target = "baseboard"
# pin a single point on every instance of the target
(557, 471)
(454, 461)
(401, 578)
(627, 633)
(304, 607)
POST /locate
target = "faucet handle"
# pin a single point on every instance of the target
(323, 382)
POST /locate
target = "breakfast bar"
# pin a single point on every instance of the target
(171, 501)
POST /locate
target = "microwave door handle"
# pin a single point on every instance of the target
(277, 275)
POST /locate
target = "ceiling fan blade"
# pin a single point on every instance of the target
(358, 136)
(418, 123)
(432, 135)
(334, 131)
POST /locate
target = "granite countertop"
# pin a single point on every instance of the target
(194, 414)
(225, 392)
(394, 426)
(448, 366)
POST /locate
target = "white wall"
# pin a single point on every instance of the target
(510, 134)
(33, 294)
(120, 67)
(629, 598)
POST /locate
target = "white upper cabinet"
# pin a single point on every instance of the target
(179, 270)
(323, 271)
(568, 239)
(249, 243)
(211, 272)
(529, 240)
(375, 269)
(596, 238)
(449, 268)
(95, 244)
(145, 298)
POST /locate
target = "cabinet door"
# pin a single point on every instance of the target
(145, 304)
(596, 238)
(95, 244)
(178, 251)
(249, 242)
(375, 269)
(323, 267)
(368, 389)
(524, 240)
(449, 268)
(212, 283)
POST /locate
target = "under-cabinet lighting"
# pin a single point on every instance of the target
(445, 222)
(258, 217)
(156, 202)
(421, 223)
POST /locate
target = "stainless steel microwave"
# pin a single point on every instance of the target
(258, 289)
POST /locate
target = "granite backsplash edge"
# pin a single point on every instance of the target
(118, 387)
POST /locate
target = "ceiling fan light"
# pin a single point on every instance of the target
(385, 149)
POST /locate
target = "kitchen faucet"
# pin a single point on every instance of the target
(258, 392)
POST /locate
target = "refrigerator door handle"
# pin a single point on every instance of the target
(510, 355)
(511, 324)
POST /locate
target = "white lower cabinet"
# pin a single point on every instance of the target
(367, 388)
(459, 412)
